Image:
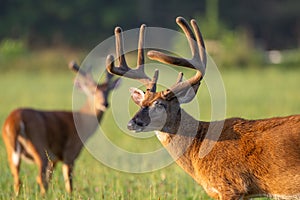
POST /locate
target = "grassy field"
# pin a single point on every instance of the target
(253, 94)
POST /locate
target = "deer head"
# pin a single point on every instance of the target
(96, 93)
(161, 110)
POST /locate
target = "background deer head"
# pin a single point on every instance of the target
(97, 93)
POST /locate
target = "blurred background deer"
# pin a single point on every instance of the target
(254, 44)
(250, 158)
(46, 137)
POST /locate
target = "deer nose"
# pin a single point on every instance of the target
(131, 125)
(135, 123)
(139, 122)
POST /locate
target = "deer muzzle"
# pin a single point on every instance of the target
(140, 120)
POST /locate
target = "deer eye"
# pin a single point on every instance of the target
(159, 105)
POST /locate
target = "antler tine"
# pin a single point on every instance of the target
(85, 74)
(197, 62)
(189, 35)
(179, 78)
(123, 69)
(200, 43)
(194, 62)
(141, 57)
(75, 67)
(120, 48)
(152, 84)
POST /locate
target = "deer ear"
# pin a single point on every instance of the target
(137, 95)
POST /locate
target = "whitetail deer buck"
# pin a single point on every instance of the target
(47, 137)
(250, 158)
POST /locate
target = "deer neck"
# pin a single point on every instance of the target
(87, 120)
(181, 138)
(89, 109)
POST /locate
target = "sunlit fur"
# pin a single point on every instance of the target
(250, 158)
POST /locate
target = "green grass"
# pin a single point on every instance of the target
(250, 94)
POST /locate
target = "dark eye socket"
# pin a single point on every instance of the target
(160, 104)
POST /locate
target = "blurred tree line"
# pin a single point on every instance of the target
(274, 24)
